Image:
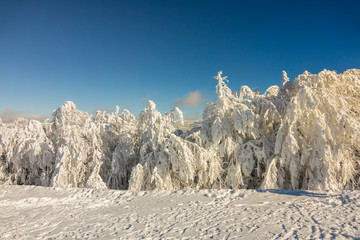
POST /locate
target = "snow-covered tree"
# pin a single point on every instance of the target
(78, 149)
(167, 161)
(303, 135)
(26, 154)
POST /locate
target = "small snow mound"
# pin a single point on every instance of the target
(34, 125)
(127, 115)
(68, 105)
(150, 105)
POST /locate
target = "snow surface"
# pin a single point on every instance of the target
(31, 212)
(304, 135)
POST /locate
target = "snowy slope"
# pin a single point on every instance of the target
(29, 212)
(303, 135)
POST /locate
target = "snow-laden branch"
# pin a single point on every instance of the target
(303, 135)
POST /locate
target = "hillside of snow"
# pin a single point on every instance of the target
(303, 135)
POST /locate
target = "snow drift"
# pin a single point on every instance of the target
(303, 135)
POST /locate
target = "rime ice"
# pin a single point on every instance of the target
(304, 135)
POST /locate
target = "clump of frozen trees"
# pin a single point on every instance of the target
(303, 135)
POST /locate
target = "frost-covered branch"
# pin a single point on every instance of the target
(303, 135)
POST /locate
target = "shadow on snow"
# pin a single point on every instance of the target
(296, 193)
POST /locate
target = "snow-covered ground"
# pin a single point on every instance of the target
(30, 212)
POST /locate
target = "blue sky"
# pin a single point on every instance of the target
(100, 54)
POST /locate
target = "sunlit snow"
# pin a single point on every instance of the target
(291, 155)
(29, 212)
(304, 135)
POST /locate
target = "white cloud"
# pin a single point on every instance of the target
(191, 100)
(10, 115)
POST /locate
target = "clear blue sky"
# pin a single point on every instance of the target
(105, 53)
